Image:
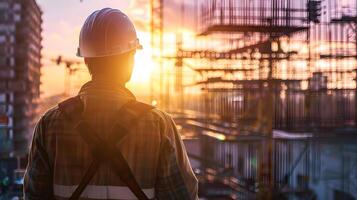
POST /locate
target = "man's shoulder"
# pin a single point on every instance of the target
(154, 114)
(56, 113)
(158, 115)
(52, 114)
(159, 119)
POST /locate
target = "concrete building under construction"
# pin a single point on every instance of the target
(20, 63)
(269, 90)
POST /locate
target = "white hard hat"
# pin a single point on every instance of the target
(107, 32)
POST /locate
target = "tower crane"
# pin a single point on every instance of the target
(71, 67)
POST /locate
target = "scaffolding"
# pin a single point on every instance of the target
(275, 80)
(274, 85)
(157, 44)
(307, 63)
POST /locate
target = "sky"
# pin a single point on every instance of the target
(62, 21)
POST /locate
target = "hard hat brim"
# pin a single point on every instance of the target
(133, 45)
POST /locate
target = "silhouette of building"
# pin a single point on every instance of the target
(20, 63)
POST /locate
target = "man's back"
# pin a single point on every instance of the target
(153, 150)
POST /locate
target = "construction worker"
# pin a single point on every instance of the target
(149, 161)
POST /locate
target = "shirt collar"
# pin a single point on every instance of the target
(104, 89)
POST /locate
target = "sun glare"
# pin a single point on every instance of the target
(143, 61)
(144, 67)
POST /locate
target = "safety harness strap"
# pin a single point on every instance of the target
(104, 151)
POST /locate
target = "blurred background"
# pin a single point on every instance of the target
(262, 91)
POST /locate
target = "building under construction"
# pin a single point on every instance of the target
(20, 62)
(271, 95)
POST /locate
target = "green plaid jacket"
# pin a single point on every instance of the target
(154, 151)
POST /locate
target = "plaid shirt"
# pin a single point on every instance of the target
(154, 151)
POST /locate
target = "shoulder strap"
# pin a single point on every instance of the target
(72, 109)
(129, 114)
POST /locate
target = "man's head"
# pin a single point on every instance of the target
(108, 42)
(116, 68)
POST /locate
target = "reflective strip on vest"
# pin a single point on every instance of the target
(100, 192)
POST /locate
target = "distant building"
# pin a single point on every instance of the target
(20, 63)
(318, 82)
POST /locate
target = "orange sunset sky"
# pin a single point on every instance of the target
(62, 21)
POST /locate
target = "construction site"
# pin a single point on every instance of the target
(263, 93)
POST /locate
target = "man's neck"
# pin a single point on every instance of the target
(108, 82)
